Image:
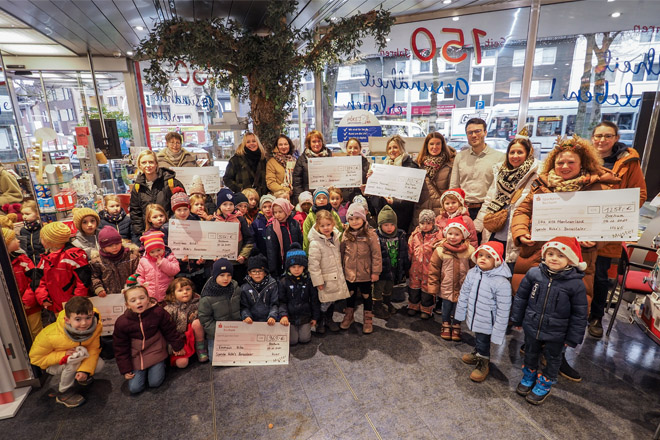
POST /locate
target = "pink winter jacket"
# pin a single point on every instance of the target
(157, 278)
(443, 219)
(420, 249)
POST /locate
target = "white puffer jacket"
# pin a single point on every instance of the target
(325, 266)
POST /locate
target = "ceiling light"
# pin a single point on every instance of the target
(615, 14)
(455, 18)
(610, 1)
(388, 39)
(139, 28)
(36, 49)
(446, 2)
(129, 53)
(7, 36)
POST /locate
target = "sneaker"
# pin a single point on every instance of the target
(540, 391)
(596, 328)
(86, 382)
(70, 398)
(470, 358)
(569, 372)
(481, 370)
(424, 315)
(527, 382)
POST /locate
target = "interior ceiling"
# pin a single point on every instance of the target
(110, 27)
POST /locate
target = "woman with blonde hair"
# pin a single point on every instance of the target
(153, 184)
(247, 168)
(314, 147)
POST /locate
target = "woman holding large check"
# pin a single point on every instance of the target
(314, 147)
(397, 156)
(573, 165)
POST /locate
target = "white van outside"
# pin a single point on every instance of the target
(403, 128)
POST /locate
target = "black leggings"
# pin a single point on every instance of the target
(365, 289)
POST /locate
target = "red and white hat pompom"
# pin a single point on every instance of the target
(459, 224)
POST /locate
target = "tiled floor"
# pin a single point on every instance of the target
(401, 382)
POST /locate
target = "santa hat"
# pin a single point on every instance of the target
(179, 198)
(568, 246)
(197, 186)
(459, 224)
(153, 241)
(456, 192)
(494, 248)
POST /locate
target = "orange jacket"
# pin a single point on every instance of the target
(627, 168)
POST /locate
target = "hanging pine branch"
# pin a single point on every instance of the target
(265, 67)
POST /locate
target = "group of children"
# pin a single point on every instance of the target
(293, 266)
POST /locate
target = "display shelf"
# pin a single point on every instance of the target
(56, 183)
(642, 325)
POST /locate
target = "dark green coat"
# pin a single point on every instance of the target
(239, 175)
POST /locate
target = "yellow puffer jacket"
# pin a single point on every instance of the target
(51, 344)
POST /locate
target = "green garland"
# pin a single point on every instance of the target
(266, 67)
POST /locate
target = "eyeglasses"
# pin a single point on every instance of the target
(257, 271)
(470, 133)
(604, 136)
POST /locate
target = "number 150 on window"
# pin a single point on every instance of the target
(459, 42)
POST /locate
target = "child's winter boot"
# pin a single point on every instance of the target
(540, 391)
(481, 370)
(527, 382)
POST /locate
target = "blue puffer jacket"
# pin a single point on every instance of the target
(396, 274)
(299, 300)
(259, 232)
(260, 305)
(486, 300)
(552, 307)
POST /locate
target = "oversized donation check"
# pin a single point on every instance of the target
(208, 240)
(610, 215)
(110, 308)
(237, 343)
(210, 177)
(340, 172)
(393, 181)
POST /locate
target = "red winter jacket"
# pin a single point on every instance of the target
(61, 275)
(23, 272)
(140, 339)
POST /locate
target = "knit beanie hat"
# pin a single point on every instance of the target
(224, 195)
(56, 233)
(9, 235)
(266, 198)
(286, 206)
(257, 261)
(456, 192)
(305, 197)
(568, 246)
(319, 191)
(494, 248)
(295, 256)
(387, 215)
(108, 236)
(152, 241)
(361, 201)
(221, 266)
(179, 198)
(197, 187)
(459, 224)
(80, 213)
(240, 198)
(356, 210)
(427, 216)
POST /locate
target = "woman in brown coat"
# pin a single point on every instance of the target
(625, 164)
(573, 165)
(437, 159)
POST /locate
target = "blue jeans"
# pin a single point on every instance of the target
(482, 344)
(552, 351)
(448, 309)
(154, 376)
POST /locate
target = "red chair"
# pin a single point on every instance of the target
(630, 281)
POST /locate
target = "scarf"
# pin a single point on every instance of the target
(277, 228)
(454, 249)
(211, 288)
(252, 158)
(507, 181)
(81, 335)
(174, 159)
(460, 211)
(282, 159)
(113, 218)
(560, 185)
(114, 258)
(285, 160)
(434, 163)
(322, 153)
(398, 161)
(259, 287)
(326, 207)
(32, 226)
